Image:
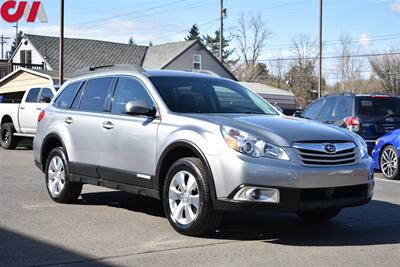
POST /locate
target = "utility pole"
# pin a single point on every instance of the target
(16, 29)
(61, 61)
(3, 42)
(221, 32)
(320, 50)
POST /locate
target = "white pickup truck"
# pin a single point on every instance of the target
(20, 120)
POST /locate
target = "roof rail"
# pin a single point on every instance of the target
(203, 71)
(341, 94)
(119, 67)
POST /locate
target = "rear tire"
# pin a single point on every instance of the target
(187, 199)
(389, 163)
(319, 216)
(58, 185)
(7, 138)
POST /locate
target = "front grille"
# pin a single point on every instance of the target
(312, 154)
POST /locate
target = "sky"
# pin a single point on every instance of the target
(374, 25)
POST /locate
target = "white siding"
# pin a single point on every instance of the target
(208, 62)
(37, 58)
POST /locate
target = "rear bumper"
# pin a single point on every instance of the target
(296, 200)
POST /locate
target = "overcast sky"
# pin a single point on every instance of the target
(374, 24)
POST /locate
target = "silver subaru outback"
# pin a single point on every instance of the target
(201, 144)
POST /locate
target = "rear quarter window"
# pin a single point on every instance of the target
(65, 99)
(378, 106)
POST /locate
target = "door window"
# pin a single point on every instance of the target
(327, 109)
(95, 95)
(344, 108)
(32, 96)
(127, 90)
(66, 97)
(46, 94)
(312, 111)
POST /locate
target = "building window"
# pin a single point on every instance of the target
(197, 62)
(26, 56)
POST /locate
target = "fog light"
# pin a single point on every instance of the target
(258, 194)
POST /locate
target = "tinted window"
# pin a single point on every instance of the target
(32, 96)
(344, 107)
(64, 100)
(128, 89)
(312, 111)
(95, 95)
(327, 108)
(378, 106)
(209, 95)
(46, 92)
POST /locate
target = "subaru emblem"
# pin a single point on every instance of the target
(331, 149)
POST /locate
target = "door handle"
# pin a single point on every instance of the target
(68, 120)
(39, 108)
(108, 125)
(22, 107)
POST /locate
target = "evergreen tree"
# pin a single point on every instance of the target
(194, 33)
(16, 42)
(212, 44)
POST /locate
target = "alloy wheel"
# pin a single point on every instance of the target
(184, 198)
(56, 176)
(389, 162)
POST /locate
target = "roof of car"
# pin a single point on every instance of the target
(177, 73)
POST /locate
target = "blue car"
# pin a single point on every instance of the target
(386, 155)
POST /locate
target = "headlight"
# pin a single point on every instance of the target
(252, 146)
(362, 145)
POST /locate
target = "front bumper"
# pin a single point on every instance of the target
(296, 200)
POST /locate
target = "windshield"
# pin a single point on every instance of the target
(209, 95)
(379, 106)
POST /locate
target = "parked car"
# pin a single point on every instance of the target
(386, 155)
(20, 119)
(370, 116)
(201, 144)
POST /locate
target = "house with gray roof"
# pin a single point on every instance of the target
(37, 50)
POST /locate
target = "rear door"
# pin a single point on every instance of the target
(29, 111)
(344, 108)
(378, 115)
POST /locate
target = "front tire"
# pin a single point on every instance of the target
(389, 163)
(8, 140)
(187, 199)
(319, 216)
(59, 187)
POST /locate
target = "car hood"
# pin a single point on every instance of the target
(279, 130)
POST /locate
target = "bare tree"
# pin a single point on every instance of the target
(301, 73)
(348, 66)
(278, 70)
(251, 37)
(387, 69)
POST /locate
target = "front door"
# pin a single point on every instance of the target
(129, 142)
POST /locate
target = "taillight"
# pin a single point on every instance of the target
(41, 115)
(352, 123)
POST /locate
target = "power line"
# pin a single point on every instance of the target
(331, 57)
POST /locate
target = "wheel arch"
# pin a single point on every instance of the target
(6, 119)
(174, 152)
(50, 142)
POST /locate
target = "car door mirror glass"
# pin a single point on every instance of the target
(298, 114)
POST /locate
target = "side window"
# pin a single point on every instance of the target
(197, 62)
(32, 96)
(95, 95)
(46, 96)
(344, 108)
(312, 111)
(127, 90)
(64, 100)
(327, 109)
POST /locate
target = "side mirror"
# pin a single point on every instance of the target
(298, 114)
(139, 108)
(45, 99)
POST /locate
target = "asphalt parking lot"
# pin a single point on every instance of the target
(111, 228)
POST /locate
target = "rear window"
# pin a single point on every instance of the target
(378, 106)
